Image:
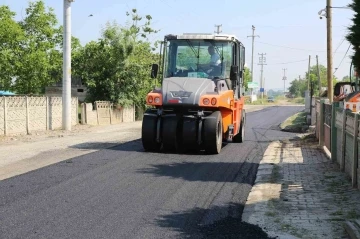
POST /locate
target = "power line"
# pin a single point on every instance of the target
(293, 48)
(339, 45)
(262, 62)
(284, 79)
(288, 62)
(300, 49)
(342, 59)
(252, 54)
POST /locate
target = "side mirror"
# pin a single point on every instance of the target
(234, 72)
(154, 70)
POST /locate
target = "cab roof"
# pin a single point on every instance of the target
(205, 36)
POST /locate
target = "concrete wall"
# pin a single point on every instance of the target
(23, 115)
(346, 142)
(104, 113)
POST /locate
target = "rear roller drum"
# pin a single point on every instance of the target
(213, 133)
(169, 133)
(148, 132)
(240, 137)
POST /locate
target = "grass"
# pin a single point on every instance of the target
(271, 214)
(352, 215)
(296, 100)
(295, 123)
(278, 100)
(262, 102)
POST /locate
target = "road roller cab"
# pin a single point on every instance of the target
(200, 102)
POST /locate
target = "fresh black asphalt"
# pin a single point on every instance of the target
(124, 192)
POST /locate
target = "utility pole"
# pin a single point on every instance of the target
(218, 27)
(329, 50)
(309, 73)
(262, 62)
(284, 79)
(252, 55)
(66, 84)
(318, 74)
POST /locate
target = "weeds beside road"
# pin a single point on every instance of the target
(296, 123)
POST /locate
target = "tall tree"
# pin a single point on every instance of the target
(116, 67)
(11, 35)
(354, 33)
(39, 58)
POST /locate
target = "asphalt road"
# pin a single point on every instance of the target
(123, 192)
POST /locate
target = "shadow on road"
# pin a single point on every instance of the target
(133, 146)
(212, 223)
(241, 172)
(128, 146)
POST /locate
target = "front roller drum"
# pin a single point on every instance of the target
(213, 133)
(148, 132)
(189, 134)
(169, 133)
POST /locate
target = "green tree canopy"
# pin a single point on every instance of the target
(354, 33)
(117, 66)
(298, 87)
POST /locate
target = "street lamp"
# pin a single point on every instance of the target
(66, 84)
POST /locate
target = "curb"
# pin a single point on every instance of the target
(352, 228)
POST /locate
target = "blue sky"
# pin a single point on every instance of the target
(289, 30)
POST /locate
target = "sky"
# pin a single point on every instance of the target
(289, 31)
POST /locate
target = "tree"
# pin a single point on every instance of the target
(11, 35)
(346, 79)
(354, 33)
(39, 58)
(247, 78)
(298, 87)
(117, 66)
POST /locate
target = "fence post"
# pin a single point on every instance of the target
(47, 113)
(110, 112)
(83, 121)
(134, 113)
(334, 131)
(97, 113)
(77, 111)
(343, 134)
(355, 151)
(322, 121)
(5, 116)
(27, 115)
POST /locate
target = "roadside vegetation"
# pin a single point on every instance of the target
(295, 123)
(279, 100)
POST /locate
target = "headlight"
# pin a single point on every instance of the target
(206, 101)
(157, 100)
